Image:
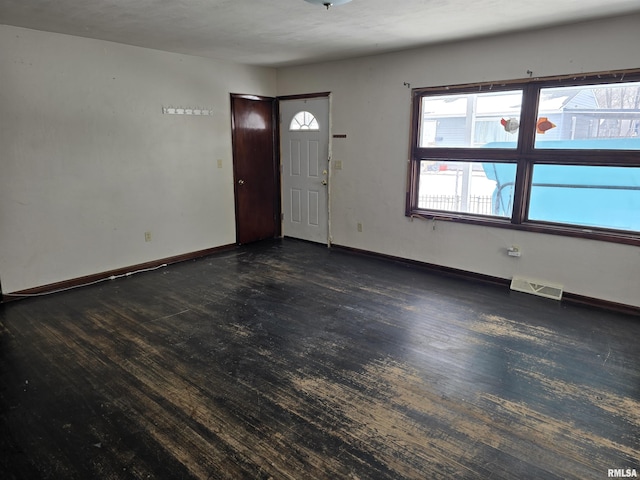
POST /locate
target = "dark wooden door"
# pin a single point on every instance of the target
(255, 168)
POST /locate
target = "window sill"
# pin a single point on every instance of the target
(535, 227)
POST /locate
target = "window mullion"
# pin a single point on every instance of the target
(528, 119)
(526, 140)
(522, 190)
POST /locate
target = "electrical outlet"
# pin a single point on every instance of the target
(514, 251)
(219, 163)
(147, 236)
(359, 226)
(337, 164)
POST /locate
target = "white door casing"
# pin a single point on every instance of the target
(305, 168)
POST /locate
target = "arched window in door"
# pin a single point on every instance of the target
(304, 121)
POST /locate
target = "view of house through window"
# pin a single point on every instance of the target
(578, 157)
(470, 120)
(590, 117)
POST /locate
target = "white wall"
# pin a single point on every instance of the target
(88, 163)
(372, 106)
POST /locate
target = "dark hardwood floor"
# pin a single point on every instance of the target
(287, 360)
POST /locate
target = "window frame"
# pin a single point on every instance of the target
(524, 156)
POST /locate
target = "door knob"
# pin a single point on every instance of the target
(324, 182)
(240, 182)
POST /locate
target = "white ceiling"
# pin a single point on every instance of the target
(288, 32)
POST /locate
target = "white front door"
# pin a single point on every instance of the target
(304, 146)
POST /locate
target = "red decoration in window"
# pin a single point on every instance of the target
(544, 124)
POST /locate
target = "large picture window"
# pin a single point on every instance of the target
(556, 155)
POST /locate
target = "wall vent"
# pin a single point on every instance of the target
(541, 289)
